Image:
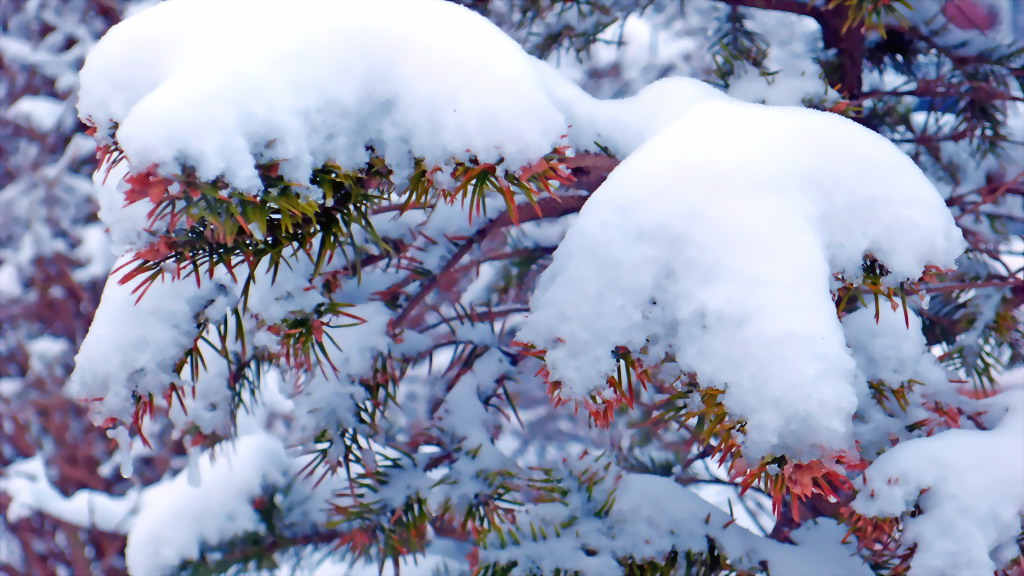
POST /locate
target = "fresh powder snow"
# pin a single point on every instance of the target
(717, 241)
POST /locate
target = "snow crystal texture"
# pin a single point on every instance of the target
(308, 82)
(717, 241)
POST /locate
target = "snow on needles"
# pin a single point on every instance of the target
(955, 534)
(219, 508)
(233, 475)
(213, 84)
(716, 241)
(196, 83)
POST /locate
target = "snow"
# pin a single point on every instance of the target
(751, 510)
(216, 93)
(731, 272)
(173, 520)
(714, 242)
(442, 556)
(215, 511)
(217, 110)
(889, 349)
(94, 251)
(25, 482)
(793, 58)
(10, 386)
(653, 515)
(148, 338)
(323, 401)
(179, 104)
(463, 414)
(10, 282)
(44, 352)
(126, 224)
(891, 354)
(660, 514)
(40, 113)
(969, 485)
(623, 124)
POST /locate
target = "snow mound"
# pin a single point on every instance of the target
(177, 520)
(659, 515)
(40, 113)
(218, 85)
(622, 125)
(26, 484)
(974, 499)
(716, 241)
(892, 347)
(133, 344)
(654, 515)
(194, 83)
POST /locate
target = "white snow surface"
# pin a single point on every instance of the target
(623, 124)
(40, 113)
(657, 511)
(26, 483)
(126, 224)
(135, 345)
(890, 353)
(213, 512)
(240, 99)
(717, 240)
(888, 349)
(653, 515)
(215, 84)
(974, 479)
(217, 96)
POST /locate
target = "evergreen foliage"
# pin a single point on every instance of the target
(399, 466)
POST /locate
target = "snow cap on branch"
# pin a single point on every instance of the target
(954, 533)
(308, 82)
(717, 241)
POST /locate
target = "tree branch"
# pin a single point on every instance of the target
(589, 172)
(550, 207)
(790, 6)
